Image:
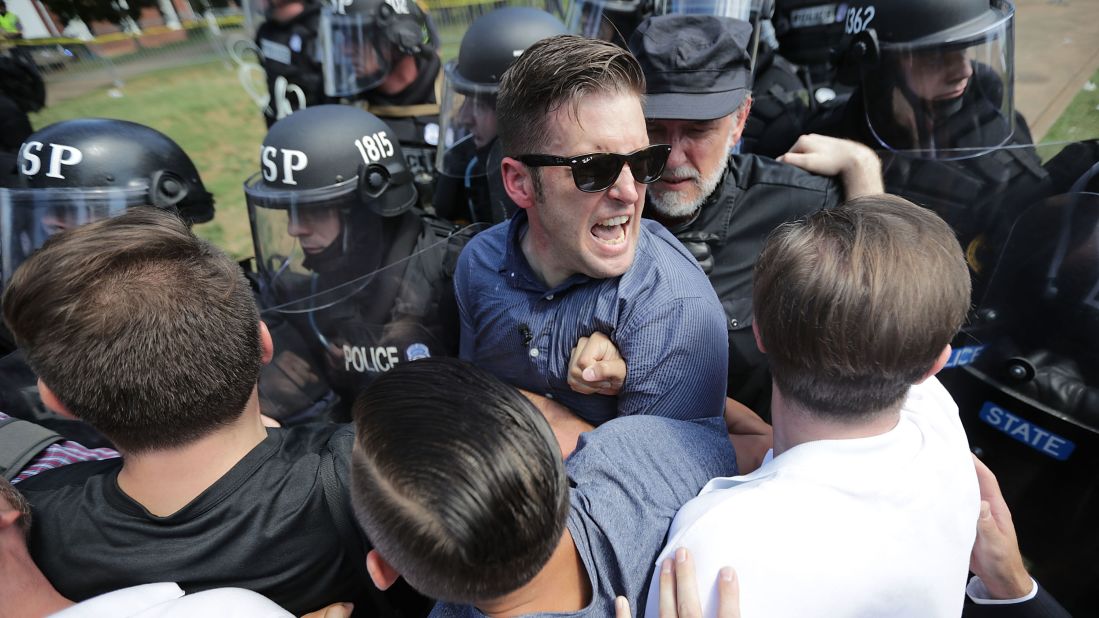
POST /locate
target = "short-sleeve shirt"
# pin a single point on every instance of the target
(266, 526)
(628, 478)
(662, 314)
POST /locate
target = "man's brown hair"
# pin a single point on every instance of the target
(138, 327)
(16, 501)
(553, 73)
(856, 303)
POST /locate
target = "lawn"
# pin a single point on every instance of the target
(206, 111)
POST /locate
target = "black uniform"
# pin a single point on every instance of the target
(979, 196)
(756, 195)
(402, 308)
(294, 75)
(479, 196)
(413, 115)
(780, 105)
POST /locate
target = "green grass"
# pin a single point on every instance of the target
(1080, 119)
(206, 111)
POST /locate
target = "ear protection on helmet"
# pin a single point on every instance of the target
(862, 52)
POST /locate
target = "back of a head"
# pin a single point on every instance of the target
(139, 328)
(856, 303)
(11, 499)
(554, 73)
(457, 480)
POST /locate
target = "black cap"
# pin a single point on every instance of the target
(697, 67)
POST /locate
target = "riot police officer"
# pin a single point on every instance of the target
(935, 95)
(290, 50)
(382, 54)
(353, 279)
(75, 172)
(469, 184)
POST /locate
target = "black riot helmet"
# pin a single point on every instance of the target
(468, 111)
(610, 20)
(78, 171)
(494, 41)
(937, 76)
(809, 31)
(329, 177)
(361, 40)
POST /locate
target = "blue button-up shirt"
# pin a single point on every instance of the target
(662, 314)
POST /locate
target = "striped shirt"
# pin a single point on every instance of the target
(61, 454)
(662, 314)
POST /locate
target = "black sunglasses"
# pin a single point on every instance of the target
(596, 172)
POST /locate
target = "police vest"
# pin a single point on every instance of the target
(294, 76)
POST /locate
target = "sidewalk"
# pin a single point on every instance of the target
(1056, 53)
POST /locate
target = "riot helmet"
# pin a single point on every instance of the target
(468, 112)
(78, 171)
(361, 40)
(330, 177)
(937, 76)
(809, 31)
(609, 20)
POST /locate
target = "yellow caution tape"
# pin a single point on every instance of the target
(231, 20)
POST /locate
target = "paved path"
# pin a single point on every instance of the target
(1056, 53)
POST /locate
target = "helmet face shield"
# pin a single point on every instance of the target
(739, 9)
(949, 99)
(295, 233)
(609, 20)
(28, 217)
(356, 52)
(467, 123)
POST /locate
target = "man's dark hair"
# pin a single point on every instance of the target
(15, 500)
(856, 303)
(138, 327)
(553, 73)
(457, 480)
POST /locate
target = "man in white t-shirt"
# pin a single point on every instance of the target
(866, 505)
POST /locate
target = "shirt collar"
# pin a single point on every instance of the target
(515, 267)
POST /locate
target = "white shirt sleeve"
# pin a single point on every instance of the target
(978, 593)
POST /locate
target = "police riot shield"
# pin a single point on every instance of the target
(1025, 374)
(333, 334)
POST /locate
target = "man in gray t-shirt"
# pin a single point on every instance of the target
(458, 482)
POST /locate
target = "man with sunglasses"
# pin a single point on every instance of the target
(722, 205)
(578, 258)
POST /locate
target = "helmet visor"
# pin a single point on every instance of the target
(355, 53)
(298, 233)
(739, 9)
(467, 123)
(947, 100)
(30, 216)
(609, 20)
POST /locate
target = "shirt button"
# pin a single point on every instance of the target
(734, 323)
(513, 274)
(549, 395)
(549, 296)
(534, 352)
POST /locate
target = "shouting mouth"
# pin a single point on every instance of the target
(611, 231)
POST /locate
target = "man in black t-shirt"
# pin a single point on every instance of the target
(151, 335)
